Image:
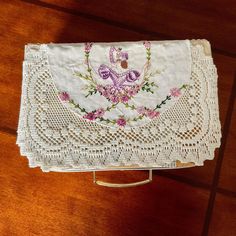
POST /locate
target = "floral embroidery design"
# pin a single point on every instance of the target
(122, 87)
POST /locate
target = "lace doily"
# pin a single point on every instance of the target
(133, 107)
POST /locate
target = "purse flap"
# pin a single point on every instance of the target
(127, 105)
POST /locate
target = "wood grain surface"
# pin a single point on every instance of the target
(193, 201)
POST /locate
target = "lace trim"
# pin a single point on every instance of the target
(56, 139)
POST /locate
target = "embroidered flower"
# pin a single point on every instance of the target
(152, 114)
(147, 44)
(175, 92)
(136, 87)
(100, 88)
(121, 122)
(147, 112)
(99, 113)
(90, 116)
(125, 99)
(113, 99)
(141, 110)
(88, 47)
(106, 93)
(118, 95)
(132, 91)
(64, 96)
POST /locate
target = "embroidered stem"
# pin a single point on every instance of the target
(77, 106)
(88, 65)
(168, 97)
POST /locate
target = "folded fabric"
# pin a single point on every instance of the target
(118, 105)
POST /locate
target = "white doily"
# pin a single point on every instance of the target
(54, 136)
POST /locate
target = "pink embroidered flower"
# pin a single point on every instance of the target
(100, 88)
(90, 116)
(141, 110)
(147, 44)
(64, 96)
(105, 93)
(175, 92)
(114, 98)
(88, 47)
(121, 122)
(152, 114)
(131, 92)
(99, 113)
(136, 88)
(124, 98)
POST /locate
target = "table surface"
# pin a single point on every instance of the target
(193, 201)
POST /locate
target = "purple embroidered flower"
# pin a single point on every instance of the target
(99, 113)
(87, 47)
(90, 116)
(141, 110)
(125, 99)
(64, 96)
(121, 122)
(175, 92)
(147, 44)
(152, 114)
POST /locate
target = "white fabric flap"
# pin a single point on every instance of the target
(123, 84)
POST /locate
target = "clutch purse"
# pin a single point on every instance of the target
(119, 106)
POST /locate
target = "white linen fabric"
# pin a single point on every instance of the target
(130, 105)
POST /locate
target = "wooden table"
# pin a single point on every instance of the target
(193, 201)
